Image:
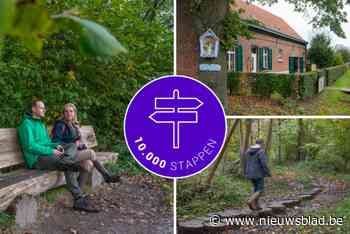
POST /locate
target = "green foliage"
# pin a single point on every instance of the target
(342, 210)
(125, 163)
(233, 28)
(226, 191)
(95, 40)
(327, 13)
(233, 82)
(320, 52)
(6, 220)
(338, 59)
(7, 15)
(308, 85)
(264, 84)
(345, 53)
(277, 97)
(101, 89)
(30, 21)
(51, 195)
(334, 73)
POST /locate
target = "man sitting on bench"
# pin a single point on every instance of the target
(42, 154)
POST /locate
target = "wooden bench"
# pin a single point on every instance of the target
(16, 180)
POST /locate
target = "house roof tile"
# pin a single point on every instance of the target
(268, 19)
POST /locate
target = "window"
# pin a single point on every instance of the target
(280, 55)
(231, 60)
(266, 58)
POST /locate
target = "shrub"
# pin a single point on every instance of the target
(333, 73)
(277, 97)
(101, 89)
(308, 85)
(233, 83)
(264, 84)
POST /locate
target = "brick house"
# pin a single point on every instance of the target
(275, 46)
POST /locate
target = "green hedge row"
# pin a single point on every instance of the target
(262, 84)
(265, 84)
(308, 84)
(333, 73)
(233, 82)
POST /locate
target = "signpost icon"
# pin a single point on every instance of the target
(175, 111)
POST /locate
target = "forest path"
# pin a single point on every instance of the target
(292, 200)
(137, 205)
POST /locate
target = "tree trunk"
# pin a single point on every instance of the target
(269, 137)
(244, 141)
(279, 142)
(301, 140)
(222, 153)
(209, 14)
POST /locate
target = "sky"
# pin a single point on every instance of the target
(299, 22)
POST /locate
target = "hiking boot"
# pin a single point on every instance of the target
(112, 179)
(82, 204)
(253, 201)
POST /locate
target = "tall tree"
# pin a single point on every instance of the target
(345, 52)
(301, 140)
(321, 52)
(328, 13)
(269, 136)
(245, 132)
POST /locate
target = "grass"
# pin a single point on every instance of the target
(226, 191)
(51, 195)
(125, 162)
(331, 102)
(341, 211)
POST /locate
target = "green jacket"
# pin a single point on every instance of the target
(34, 140)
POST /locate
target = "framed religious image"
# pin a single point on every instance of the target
(209, 45)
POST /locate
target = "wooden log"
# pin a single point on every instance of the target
(277, 207)
(210, 227)
(265, 212)
(191, 226)
(290, 202)
(305, 197)
(315, 191)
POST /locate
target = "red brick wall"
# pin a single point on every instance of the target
(187, 44)
(261, 40)
(188, 49)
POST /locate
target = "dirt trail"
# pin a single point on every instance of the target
(292, 200)
(137, 205)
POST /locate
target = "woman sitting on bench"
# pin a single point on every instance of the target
(67, 130)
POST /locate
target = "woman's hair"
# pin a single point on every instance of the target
(71, 105)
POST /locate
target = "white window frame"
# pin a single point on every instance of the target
(280, 55)
(231, 60)
(266, 58)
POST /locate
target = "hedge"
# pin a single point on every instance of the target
(261, 84)
(233, 83)
(265, 84)
(308, 85)
(333, 73)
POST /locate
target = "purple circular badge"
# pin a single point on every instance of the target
(175, 126)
